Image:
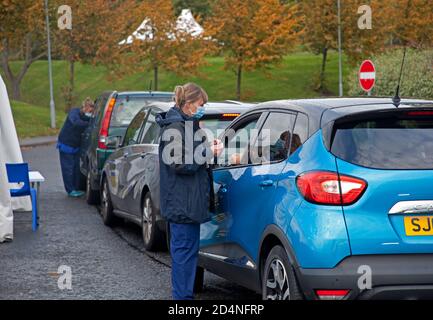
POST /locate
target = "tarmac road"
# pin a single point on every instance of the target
(104, 263)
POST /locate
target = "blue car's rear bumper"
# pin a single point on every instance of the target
(402, 276)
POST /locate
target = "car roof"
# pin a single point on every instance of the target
(146, 93)
(324, 110)
(211, 107)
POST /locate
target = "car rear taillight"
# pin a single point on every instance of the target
(420, 113)
(103, 133)
(332, 294)
(231, 115)
(326, 187)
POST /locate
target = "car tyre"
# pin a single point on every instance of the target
(92, 196)
(107, 213)
(153, 237)
(278, 277)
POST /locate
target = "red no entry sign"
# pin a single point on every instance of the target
(367, 75)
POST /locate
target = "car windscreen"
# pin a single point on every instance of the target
(399, 141)
(127, 107)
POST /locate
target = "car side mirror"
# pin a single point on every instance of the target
(113, 142)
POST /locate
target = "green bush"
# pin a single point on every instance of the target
(417, 80)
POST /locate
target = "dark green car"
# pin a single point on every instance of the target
(112, 116)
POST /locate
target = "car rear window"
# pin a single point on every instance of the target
(403, 141)
(127, 107)
(217, 123)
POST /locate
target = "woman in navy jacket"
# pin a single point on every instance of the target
(185, 182)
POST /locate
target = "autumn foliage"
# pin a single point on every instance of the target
(97, 27)
(21, 38)
(249, 34)
(252, 33)
(164, 46)
(397, 22)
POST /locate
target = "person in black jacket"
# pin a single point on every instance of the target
(185, 182)
(69, 142)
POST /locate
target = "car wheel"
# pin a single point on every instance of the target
(152, 237)
(92, 196)
(107, 213)
(278, 278)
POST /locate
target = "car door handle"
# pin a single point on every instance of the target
(267, 183)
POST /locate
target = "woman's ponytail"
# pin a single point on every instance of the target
(179, 96)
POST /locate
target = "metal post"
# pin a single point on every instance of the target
(340, 68)
(50, 70)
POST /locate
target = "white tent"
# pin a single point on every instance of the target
(184, 23)
(10, 152)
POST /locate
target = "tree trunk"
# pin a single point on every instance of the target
(15, 80)
(155, 78)
(322, 71)
(16, 91)
(72, 75)
(238, 84)
(69, 93)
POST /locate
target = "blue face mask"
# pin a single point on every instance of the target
(279, 145)
(199, 113)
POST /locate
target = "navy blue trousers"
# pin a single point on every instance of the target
(70, 164)
(184, 245)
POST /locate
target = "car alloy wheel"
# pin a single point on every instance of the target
(92, 196)
(278, 277)
(104, 201)
(106, 206)
(277, 282)
(88, 186)
(153, 237)
(147, 222)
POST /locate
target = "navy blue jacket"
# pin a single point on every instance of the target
(75, 124)
(185, 188)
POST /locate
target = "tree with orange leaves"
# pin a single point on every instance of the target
(321, 30)
(21, 38)
(252, 33)
(407, 22)
(410, 22)
(97, 28)
(158, 44)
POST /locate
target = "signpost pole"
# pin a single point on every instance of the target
(50, 70)
(340, 67)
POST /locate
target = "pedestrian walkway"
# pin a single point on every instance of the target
(38, 141)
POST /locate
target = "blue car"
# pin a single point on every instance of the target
(325, 199)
